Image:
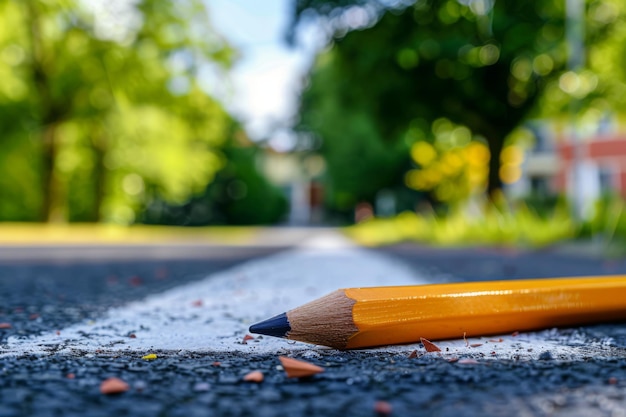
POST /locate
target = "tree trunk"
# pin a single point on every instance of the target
(53, 206)
(99, 146)
(494, 182)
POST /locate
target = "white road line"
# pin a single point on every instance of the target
(213, 315)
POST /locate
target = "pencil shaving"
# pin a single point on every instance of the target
(113, 386)
(429, 346)
(254, 376)
(299, 369)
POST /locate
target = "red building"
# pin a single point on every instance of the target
(601, 161)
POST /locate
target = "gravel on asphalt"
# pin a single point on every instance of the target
(190, 385)
(40, 297)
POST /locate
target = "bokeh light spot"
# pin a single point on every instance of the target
(489, 54)
(423, 153)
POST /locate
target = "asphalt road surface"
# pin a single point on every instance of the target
(53, 291)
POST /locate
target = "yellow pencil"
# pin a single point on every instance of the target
(364, 317)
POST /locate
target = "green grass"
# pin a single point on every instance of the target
(519, 227)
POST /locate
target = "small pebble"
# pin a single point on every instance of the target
(140, 386)
(201, 387)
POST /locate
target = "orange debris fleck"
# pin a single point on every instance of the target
(476, 344)
(58, 332)
(216, 363)
(5, 326)
(466, 342)
(299, 369)
(452, 360)
(161, 273)
(382, 408)
(429, 346)
(197, 303)
(135, 281)
(70, 376)
(254, 376)
(514, 334)
(612, 380)
(132, 336)
(413, 354)
(113, 386)
(246, 338)
(500, 340)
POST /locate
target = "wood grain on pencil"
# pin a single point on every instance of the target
(363, 317)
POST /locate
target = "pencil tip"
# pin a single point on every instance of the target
(277, 326)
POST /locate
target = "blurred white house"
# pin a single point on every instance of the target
(582, 167)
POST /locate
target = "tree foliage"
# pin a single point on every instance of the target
(239, 194)
(596, 89)
(359, 161)
(479, 65)
(99, 115)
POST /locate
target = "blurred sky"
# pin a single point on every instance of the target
(267, 77)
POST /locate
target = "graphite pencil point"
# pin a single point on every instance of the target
(277, 326)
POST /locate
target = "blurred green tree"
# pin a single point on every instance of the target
(359, 161)
(391, 76)
(239, 194)
(596, 88)
(100, 107)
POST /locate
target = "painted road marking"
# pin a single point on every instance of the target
(213, 315)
